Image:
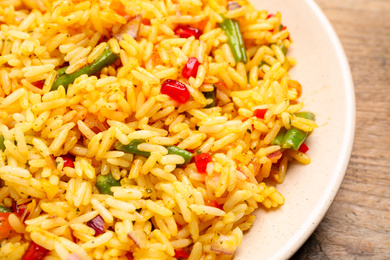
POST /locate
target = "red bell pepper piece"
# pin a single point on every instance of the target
(68, 160)
(176, 90)
(260, 113)
(179, 252)
(303, 148)
(187, 32)
(35, 252)
(201, 161)
(191, 68)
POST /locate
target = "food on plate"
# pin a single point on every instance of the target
(137, 129)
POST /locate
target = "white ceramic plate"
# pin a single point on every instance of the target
(309, 190)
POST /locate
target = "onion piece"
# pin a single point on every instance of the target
(131, 28)
(232, 5)
(74, 256)
(97, 224)
(139, 238)
(275, 156)
(92, 121)
(225, 244)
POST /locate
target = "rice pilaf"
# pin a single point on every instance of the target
(137, 129)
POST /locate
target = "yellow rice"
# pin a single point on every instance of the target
(162, 206)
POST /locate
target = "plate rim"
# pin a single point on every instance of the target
(331, 190)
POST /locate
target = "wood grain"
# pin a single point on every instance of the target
(357, 226)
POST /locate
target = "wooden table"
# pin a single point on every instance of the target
(357, 224)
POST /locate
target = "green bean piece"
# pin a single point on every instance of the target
(2, 146)
(178, 151)
(106, 59)
(132, 147)
(279, 138)
(235, 40)
(4, 209)
(306, 115)
(293, 138)
(211, 95)
(105, 182)
(283, 48)
(61, 71)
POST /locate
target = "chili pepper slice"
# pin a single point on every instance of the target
(175, 90)
(201, 161)
(191, 68)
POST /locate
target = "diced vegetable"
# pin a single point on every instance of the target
(283, 48)
(2, 146)
(306, 115)
(303, 148)
(39, 84)
(178, 151)
(232, 5)
(74, 256)
(138, 237)
(279, 138)
(235, 40)
(191, 68)
(175, 90)
(260, 113)
(68, 160)
(179, 252)
(270, 15)
(22, 210)
(132, 147)
(106, 59)
(201, 161)
(131, 28)
(97, 224)
(5, 228)
(35, 252)
(187, 32)
(275, 156)
(93, 122)
(213, 203)
(5, 209)
(105, 182)
(224, 244)
(211, 95)
(293, 138)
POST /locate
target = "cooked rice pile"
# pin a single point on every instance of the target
(162, 208)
